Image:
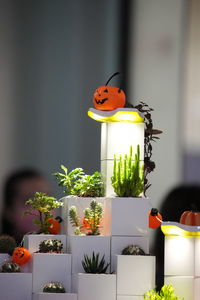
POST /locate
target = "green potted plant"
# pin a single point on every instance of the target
(103, 284)
(166, 293)
(7, 246)
(10, 267)
(53, 287)
(128, 175)
(50, 246)
(90, 224)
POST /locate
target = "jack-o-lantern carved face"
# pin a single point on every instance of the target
(21, 256)
(109, 97)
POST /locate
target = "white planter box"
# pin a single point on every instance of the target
(80, 245)
(127, 216)
(16, 286)
(196, 288)
(119, 297)
(118, 243)
(179, 256)
(196, 257)
(4, 257)
(51, 267)
(96, 286)
(32, 241)
(135, 274)
(80, 203)
(54, 296)
(183, 286)
(74, 283)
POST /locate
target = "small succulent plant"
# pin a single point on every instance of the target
(133, 250)
(51, 246)
(54, 287)
(10, 267)
(166, 293)
(7, 244)
(94, 264)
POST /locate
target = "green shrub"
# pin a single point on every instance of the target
(94, 264)
(51, 246)
(166, 293)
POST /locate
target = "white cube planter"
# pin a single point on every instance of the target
(127, 216)
(196, 288)
(81, 203)
(119, 297)
(179, 256)
(135, 274)
(54, 296)
(96, 286)
(80, 245)
(118, 243)
(183, 286)
(51, 267)
(16, 286)
(4, 257)
(32, 241)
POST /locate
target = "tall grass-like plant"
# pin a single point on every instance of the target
(128, 175)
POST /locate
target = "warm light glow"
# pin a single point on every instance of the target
(174, 228)
(118, 115)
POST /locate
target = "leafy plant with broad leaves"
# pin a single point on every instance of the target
(128, 175)
(80, 184)
(41, 206)
(94, 264)
(166, 293)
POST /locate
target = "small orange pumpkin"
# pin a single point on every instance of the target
(21, 256)
(54, 227)
(155, 218)
(109, 97)
(191, 218)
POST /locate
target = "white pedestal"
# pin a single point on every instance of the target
(16, 286)
(80, 203)
(183, 286)
(4, 257)
(197, 257)
(179, 256)
(118, 243)
(54, 296)
(51, 267)
(96, 286)
(127, 216)
(116, 138)
(135, 274)
(32, 241)
(80, 245)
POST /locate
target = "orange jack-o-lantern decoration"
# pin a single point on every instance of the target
(21, 256)
(155, 218)
(191, 218)
(109, 97)
(54, 227)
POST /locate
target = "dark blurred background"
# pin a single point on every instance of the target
(54, 54)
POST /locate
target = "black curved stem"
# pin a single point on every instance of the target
(116, 73)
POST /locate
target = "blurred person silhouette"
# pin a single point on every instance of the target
(18, 188)
(181, 198)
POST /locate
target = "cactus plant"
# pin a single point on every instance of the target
(10, 267)
(80, 184)
(54, 287)
(128, 175)
(51, 246)
(133, 250)
(75, 221)
(7, 244)
(93, 265)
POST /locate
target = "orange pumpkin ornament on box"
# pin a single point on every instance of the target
(54, 227)
(191, 218)
(21, 256)
(155, 218)
(108, 97)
